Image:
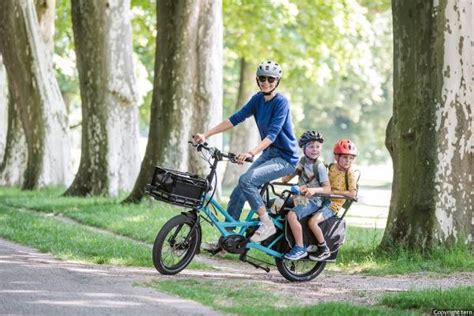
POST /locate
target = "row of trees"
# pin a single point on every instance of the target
(187, 79)
(37, 141)
(432, 89)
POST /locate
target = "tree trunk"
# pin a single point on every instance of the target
(207, 110)
(3, 107)
(36, 92)
(13, 155)
(430, 134)
(187, 42)
(245, 136)
(103, 41)
(45, 10)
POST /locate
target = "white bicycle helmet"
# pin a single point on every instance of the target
(269, 69)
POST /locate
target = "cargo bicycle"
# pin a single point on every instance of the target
(180, 238)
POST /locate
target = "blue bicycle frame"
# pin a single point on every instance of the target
(249, 221)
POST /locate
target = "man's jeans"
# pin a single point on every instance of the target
(269, 166)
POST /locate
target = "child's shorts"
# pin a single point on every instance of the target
(313, 207)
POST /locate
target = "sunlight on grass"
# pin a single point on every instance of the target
(242, 297)
(73, 242)
(461, 298)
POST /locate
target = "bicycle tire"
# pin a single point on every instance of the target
(288, 268)
(169, 242)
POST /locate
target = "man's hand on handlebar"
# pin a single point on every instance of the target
(244, 157)
(199, 138)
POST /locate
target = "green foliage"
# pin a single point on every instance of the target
(336, 57)
(461, 298)
(64, 60)
(144, 46)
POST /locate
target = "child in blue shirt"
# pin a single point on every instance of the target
(312, 178)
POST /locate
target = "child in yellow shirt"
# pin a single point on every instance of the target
(343, 181)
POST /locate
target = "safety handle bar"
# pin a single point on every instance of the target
(328, 195)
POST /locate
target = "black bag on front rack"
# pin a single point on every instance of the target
(177, 187)
(334, 231)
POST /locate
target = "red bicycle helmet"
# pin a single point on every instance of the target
(345, 147)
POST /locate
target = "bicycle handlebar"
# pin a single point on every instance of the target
(216, 153)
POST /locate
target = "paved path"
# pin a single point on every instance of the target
(34, 283)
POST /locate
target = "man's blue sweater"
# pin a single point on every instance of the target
(273, 120)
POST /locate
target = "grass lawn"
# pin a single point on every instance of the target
(461, 298)
(142, 222)
(248, 298)
(244, 298)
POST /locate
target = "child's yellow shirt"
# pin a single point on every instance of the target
(337, 178)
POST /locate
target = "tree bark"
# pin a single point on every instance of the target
(103, 41)
(183, 91)
(208, 107)
(3, 107)
(36, 92)
(430, 135)
(245, 136)
(45, 10)
(13, 154)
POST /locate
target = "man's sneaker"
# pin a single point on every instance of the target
(321, 254)
(263, 232)
(296, 253)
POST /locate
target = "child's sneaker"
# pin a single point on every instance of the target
(321, 254)
(296, 253)
(262, 233)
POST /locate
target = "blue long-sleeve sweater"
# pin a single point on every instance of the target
(273, 120)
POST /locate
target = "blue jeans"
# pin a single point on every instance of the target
(269, 166)
(313, 207)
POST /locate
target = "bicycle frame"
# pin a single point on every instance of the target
(230, 222)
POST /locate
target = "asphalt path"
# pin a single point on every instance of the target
(33, 283)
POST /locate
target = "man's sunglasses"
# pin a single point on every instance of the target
(265, 78)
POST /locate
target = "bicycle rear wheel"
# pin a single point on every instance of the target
(300, 270)
(176, 244)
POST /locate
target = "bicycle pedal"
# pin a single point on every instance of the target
(214, 252)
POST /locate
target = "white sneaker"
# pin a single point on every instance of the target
(262, 233)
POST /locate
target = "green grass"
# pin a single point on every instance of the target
(461, 298)
(242, 297)
(143, 221)
(74, 242)
(69, 241)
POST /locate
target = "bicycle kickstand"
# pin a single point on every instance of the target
(243, 258)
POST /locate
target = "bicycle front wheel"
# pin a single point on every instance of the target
(176, 244)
